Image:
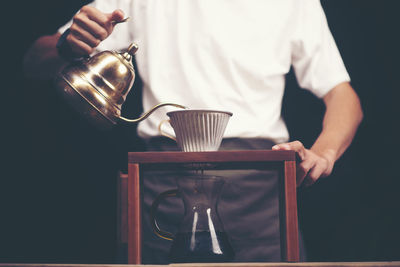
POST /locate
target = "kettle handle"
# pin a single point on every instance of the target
(160, 130)
(153, 210)
(144, 116)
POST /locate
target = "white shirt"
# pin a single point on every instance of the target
(227, 55)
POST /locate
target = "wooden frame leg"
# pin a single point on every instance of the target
(122, 217)
(134, 216)
(288, 214)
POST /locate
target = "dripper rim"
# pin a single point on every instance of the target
(200, 111)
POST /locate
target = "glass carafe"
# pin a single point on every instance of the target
(201, 236)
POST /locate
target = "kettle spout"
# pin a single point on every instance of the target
(144, 116)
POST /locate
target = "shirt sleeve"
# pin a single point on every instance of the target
(316, 60)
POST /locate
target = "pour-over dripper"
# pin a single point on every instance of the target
(199, 129)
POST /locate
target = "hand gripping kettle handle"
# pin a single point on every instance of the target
(153, 211)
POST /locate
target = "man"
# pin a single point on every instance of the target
(228, 55)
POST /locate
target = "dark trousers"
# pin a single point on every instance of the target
(248, 206)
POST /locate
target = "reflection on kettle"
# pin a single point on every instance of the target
(201, 236)
(97, 87)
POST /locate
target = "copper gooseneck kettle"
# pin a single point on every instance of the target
(97, 87)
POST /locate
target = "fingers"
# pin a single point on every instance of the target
(117, 15)
(295, 145)
(91, 26)
(318, 169)
(303, 169)
(84, 35)
(96, 16)
(78, 46)
(83, 23)
(311, 167)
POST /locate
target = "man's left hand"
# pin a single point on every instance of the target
(312, 165)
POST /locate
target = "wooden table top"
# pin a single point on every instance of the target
(277, 264)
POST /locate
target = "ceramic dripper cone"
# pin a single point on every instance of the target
(199, 130)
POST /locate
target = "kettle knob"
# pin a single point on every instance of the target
(131, 51)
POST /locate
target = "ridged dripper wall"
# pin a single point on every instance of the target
(199, 130)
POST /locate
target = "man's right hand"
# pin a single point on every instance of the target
(91, 26)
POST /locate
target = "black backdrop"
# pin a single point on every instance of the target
(57, 197)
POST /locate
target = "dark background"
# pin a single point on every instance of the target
(57, 186)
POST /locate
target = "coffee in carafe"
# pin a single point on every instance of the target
(201, 246)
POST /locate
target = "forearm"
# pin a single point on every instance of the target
(342, 117)
(42, 60)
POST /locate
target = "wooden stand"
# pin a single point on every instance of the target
(129, 190)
